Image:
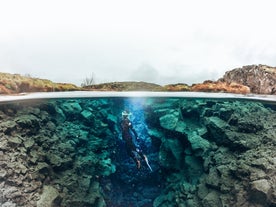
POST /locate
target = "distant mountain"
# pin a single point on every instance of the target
(261, 79)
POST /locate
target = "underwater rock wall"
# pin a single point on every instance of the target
(55, 153)
(215, 153)
(204, 153)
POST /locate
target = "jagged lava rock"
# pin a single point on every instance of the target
(261, 79)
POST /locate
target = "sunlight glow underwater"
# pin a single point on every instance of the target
(136, 107)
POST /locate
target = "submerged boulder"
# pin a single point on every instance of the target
(49, 197)
(217, 128)
(88, 116)
(71, 109)
(27, 121)
(169, 121)
(212, 199)
(199, 145)
(259, 191)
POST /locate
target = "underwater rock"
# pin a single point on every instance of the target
(8, 127)
(71, 109)
(29, 143)
(212, 199)
(15, 141)
(171, 154)
(51, 126)
(159, 201)
(169, 121)
(90, 197)
(112, 119)
(8, 204)
(225, 112)
(157, 134)
(107, 167)
(249, 125)
(156, 137)
(213, 179)
(41, 166)
(199, 145)
(193, 169)
(88, 116)
(58, 162)
(181, 127)
(202, 191)
(260, 191)
(27, 121)
(54, 159)
(12, 193)
(49, 197)
(222, 133)
(219, 130)
(49, 107)
(3, 174)
(4, 145)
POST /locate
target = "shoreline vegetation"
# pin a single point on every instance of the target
(259, 79)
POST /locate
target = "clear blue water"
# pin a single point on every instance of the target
(201, 151)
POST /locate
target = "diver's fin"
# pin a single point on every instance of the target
(147, 161)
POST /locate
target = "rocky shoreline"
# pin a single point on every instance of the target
(68, 152)
(258, 79)
(261, 79)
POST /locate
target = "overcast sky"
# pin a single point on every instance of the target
(159, 41)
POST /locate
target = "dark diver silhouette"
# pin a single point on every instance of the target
(127, 134)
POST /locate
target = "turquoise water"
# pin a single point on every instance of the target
(200, 151)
